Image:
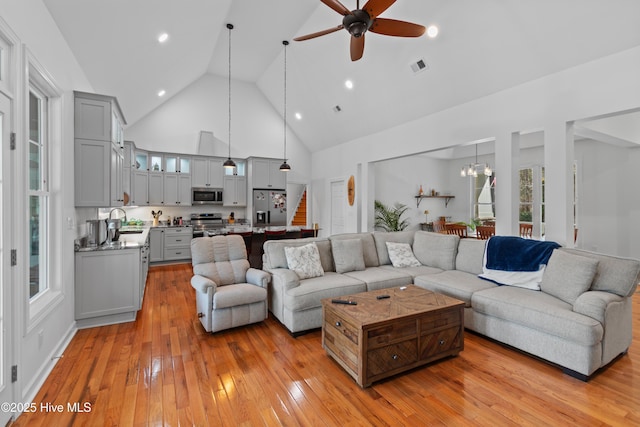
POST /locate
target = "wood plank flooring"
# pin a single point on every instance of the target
(163, 369)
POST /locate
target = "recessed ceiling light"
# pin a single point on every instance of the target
(163, 37)
(162, 92)
(348, 84)
(432, 31)
(298, 116)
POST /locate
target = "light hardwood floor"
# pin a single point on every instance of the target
(163, 369)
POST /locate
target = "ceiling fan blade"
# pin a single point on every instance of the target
(319, 33)
(376, 7)
(337, 6)
(392, 27)
(357, 47)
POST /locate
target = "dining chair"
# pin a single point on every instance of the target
(485, 231)
(526, 230)
(457, 229)
(439, 226)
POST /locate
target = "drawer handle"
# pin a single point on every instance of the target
(394, 357)
(441, 342)
(338, 324)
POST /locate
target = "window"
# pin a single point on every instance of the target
(531, 210)
(484, 196)
(38, 192)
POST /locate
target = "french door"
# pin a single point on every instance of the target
(6, 315)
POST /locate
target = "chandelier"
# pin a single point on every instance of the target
(472, 169)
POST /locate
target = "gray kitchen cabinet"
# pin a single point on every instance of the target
(176, 183)
(177, 243)
(140, 188)
(207, 172)
(127, 181)
(107, 287)
(266, 173)
(156, 188)
(144, 269)
(98, 151)
(156, 244)
(234, 191)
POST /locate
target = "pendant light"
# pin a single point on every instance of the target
(229, 164)
(471, 169)
(285, 167)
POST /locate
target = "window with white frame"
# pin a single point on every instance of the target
(531, 208)
(484, 197)
(38, 191)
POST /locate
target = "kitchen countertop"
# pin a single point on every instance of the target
(133, 237)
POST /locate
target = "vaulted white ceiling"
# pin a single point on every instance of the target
(483, 47)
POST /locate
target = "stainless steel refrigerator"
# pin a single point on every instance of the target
(269, 208)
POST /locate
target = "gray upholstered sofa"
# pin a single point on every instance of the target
(580, 319)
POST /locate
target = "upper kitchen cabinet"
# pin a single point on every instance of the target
(207, 172)
(99, 151)
(99, 118)
(266, 173)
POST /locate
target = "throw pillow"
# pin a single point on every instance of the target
(347, 255)
(568, 276)
(304, 260)
(401, 255)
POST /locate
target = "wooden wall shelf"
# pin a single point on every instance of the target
(446, 199)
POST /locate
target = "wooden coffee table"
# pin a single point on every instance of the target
(378, 338)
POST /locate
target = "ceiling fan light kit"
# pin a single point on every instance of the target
(357, 22)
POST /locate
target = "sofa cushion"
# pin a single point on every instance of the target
(414, 271)
(470, 255)
(435, 249)
(454, 283)
(368, 246)
(568, 276)
(347, 255)
(274, 256)
(614, 274)
(311, 291)
(381, 278)
(238, 294)
(539, 311)
(382, 237)
(304, 260)
(401, 255)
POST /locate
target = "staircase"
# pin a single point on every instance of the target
(300, 218)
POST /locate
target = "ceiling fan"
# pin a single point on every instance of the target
(359, 21)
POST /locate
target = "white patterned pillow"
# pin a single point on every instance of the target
(304, 260)
(401, 255)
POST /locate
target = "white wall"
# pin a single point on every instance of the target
(256, 127)
(37, 346)
(607, 85)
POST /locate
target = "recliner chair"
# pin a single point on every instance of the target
(229, 292)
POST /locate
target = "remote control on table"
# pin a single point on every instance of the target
(344, 301)
(382, 296)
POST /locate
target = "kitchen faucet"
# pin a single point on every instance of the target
(119, 209)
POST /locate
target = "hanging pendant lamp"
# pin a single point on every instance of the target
(285, 167)
(229, 163)
(471, 169)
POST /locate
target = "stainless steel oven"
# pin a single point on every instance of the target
(206, 196)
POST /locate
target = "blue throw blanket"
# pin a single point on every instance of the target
(509, 253)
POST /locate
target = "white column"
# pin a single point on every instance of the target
(558, 161)
(507, 158)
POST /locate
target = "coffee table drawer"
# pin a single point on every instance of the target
(391, 333)
(440, 319)
(341, 326)
(440, 343)
(389, 358)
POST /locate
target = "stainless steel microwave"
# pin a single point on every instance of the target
(206, 196)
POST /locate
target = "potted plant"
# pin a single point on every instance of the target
(388, 218)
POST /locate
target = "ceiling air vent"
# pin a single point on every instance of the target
(337, 109)
(418, 66)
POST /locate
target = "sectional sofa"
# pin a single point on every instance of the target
(580, 318)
